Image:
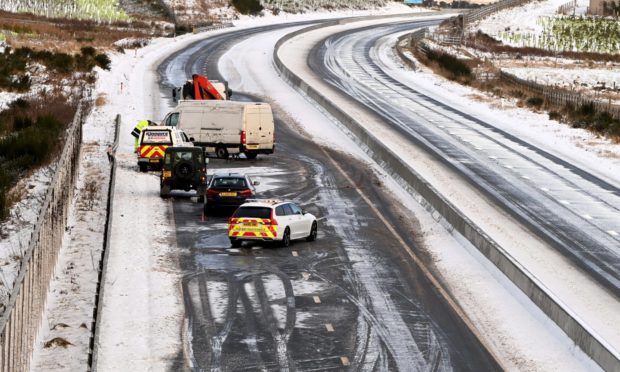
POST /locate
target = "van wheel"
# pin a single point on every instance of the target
(251, 155)
(143, 167)
(221, 152)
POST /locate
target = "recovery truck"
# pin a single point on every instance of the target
(201, 88)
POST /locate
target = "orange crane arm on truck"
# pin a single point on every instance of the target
(200, 88)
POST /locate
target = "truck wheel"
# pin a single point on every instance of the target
(235, 243)
(251, 155)
(143, 167)
(221, 152)
(164, 191)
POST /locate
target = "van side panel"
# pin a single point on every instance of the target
(189, 122)
(221, 126)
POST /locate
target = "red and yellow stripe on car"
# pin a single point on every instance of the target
(251, 228)
(152, 151)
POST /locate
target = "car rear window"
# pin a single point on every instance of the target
(252, 212)
(156, 137)
(230, 182)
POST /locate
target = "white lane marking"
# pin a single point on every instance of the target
(525, 177)
(294, 253)
(317, 299)
(565, 202)
(345, 361)
(611, 232)
(587, 216)
(508, 166)
(544, 189)
(329, 327)
(305, 275)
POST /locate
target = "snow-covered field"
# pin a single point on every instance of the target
(515, 26)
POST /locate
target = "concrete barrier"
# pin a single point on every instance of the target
(585, 337)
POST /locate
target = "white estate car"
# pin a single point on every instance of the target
(270, 220)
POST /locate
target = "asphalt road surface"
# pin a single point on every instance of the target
(352, 300)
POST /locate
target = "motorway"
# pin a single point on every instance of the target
(576, 212)
(354, 299)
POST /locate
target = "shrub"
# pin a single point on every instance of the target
(88, 51)
(554, 115)
(457, 68)
(247, 6)
(535, 101)
(30, 136)
(103, 61)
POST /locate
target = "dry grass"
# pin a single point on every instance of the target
(101, 100)
(68, 36)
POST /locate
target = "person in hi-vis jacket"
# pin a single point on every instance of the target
(136, 132)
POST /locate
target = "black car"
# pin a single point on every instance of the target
(184, 168)
(229, 190)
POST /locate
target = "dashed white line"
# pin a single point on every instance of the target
(294, 253)
(345, 361)
(317, 299)
(329, 327)
(611, 232)
(587, 216)
(565, 202)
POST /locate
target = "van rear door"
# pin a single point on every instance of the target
(259, 127)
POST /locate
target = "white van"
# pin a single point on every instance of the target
(226, 127)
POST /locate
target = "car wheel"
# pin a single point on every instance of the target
(235, 243)
(207, 209)
(313, 232)
(143, 167)
(286, 239)
(221, 152)
(251, 155)
(164, 191)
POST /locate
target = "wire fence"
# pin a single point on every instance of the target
(20, 321)
(560, 96)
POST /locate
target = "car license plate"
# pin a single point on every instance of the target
(154, 160)
(228, 194)
(252, 147)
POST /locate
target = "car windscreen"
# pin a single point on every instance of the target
(230, 182)
(157, 137)
(252, 212)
